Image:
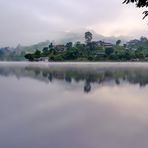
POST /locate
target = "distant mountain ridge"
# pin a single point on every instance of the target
(68, 37)
(32, 48)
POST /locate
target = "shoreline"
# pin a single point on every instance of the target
(76, 64)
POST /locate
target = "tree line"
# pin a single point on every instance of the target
(93, 51)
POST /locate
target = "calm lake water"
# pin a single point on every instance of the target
(99, 105)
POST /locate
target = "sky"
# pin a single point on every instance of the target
(31, 21)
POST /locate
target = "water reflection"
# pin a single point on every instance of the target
(45, 106)
(87, 75)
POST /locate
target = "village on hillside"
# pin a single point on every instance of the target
(90, 50)
(134, 50)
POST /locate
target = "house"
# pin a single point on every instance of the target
(107, 45)
(133, 42)
(104, 44)
(60, 48)
(44, 59)
(37, 59)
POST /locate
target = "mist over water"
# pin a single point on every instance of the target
(99, 105)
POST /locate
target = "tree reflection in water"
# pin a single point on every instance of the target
(86, 75)
(87, 87)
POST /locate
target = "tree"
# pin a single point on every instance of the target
(127, 55)
(51, 45)
(1, 53)
(125, 45)
(139, 4)
(143, 39)
(72, 54)
(37, 54)
(77, 44)
(118, 42)
(139, 54)
(29, 57)
(58, 58)
(88, 37)
(109, 51)
(45, 51)
(51, 49)
(87, 87)
(92, 45)
(69, 45)
(140, 48)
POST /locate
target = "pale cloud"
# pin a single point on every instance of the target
(30, 21)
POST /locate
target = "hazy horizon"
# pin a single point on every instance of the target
(31, 21)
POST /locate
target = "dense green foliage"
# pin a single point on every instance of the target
(134, 50)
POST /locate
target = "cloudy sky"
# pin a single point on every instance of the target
(31, 21)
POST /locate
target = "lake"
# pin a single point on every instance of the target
(73, 105)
